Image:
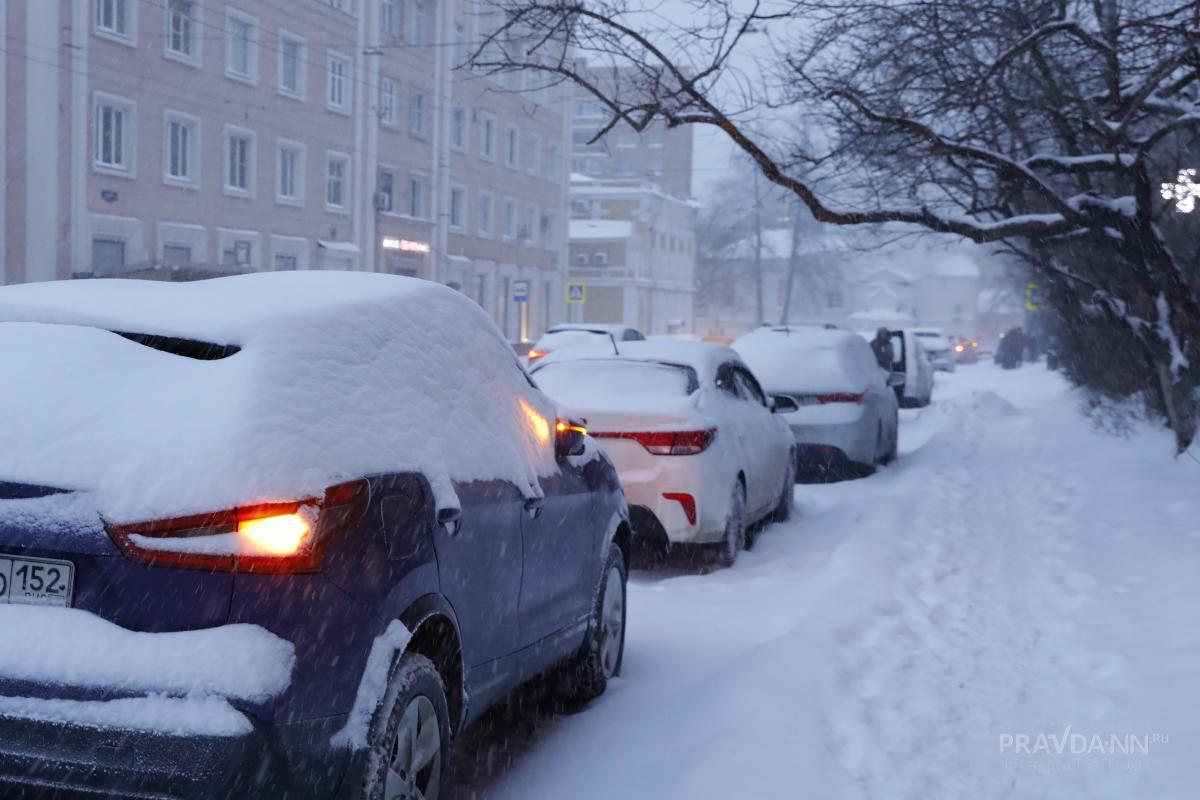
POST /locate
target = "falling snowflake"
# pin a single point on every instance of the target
(1184, 191)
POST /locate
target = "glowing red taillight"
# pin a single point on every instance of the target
(842, 397)
(534, 355)
(266, 538)
(668, 443)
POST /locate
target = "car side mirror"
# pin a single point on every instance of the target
(897, 379)
(783, 404)
(570, 438)
(450, 520)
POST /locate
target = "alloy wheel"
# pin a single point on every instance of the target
(414, 759)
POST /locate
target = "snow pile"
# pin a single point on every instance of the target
(989, 405)
(339, 375)
(193, 715)
(70, 647)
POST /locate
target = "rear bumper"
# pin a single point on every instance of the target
(282, 762)
(816, 443)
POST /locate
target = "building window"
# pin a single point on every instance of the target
(550, 230)
(460, 44)
(487, 138)
(239, 161)
(581, 259)
(385, 194)
(238, 253)
(416, 113)
(510, 219)
(340, 5)
(552, 161)
(337, 176)
(416, 198)
(180, 150)
(512, 146)
(458, 199)
(418, 22)
(529, 232)
(176, 255)
(285, 261)
(290, 186)
(108, 256)
(533, 154)
(338, 97)
(387, 101)
(181, 28)
(389, 18)
(241, 46)
(485, 214)
(458, 129)
(291, 65)
(114, 129)
(112, 16)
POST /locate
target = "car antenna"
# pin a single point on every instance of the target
(613, 339)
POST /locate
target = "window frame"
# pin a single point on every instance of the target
(298, 149)
(488, 122)
(392, 120)
(533, 154)
(284, 38)
(461, 191)
(192, 122)
(194, 58)
(464, 145)
(337, 157)
(418, 187)
(415, 115)
(128, 37)
(512, 223)
(346, 105)
(252, 46)
(512, 146)
(552, 162)
(489, 217)
(251, 166)
(129, 123)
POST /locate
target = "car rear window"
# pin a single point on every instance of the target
(187, 348)
(595, 377)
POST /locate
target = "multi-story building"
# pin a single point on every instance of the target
(185, 138)
(634, 246)
(633, 222)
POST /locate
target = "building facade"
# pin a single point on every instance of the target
(633, 222)
(177, 139)
(634, 247)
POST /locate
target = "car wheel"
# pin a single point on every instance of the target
(890, 455)
(585, 676)
(734, 540)
(787, 500)
(409, 743)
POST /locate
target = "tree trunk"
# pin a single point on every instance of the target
(1179, 401)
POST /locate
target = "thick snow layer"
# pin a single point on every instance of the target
(339, 375)
(807, 360)
(703, 357)
(194, 715)
(1013, 575)
(71, 647)
(373, 685)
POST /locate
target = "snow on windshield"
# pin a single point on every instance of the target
(339, 375)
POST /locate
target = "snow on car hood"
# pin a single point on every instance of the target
(339, 375)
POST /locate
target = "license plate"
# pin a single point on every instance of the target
(36, 581)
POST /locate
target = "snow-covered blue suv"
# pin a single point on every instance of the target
(282, 536)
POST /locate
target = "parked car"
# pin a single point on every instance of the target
(911, 359)
(569, 335)
(841, 407)
(966, 351)
(283, 535)
(941, 353)
(700, 453)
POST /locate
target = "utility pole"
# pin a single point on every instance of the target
(792, 263)
(758, 231)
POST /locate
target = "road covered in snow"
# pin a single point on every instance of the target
(1011, 610)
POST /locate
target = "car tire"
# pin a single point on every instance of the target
(408, 747)
(586, 674)
(787, 500)
(734, 540)
(890, 455)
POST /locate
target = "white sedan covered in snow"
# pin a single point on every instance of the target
(842, 409)
(699, 450)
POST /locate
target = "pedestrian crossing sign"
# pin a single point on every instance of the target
(576, 293)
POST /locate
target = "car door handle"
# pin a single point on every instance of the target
(533, 506)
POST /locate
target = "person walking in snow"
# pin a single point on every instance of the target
(882, 345)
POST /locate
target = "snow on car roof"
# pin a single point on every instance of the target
(339, 375)
(585, 326)
(704, 357)
(802, 359)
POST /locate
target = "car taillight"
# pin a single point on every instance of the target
(687, 501)
(534, 355)
(842, 397)
(668, 443)
(274, 538)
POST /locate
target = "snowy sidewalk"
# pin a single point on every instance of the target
(972, 622)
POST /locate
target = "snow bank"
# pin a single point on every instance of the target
(70, 647)
(339, 375)
(989, 405)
